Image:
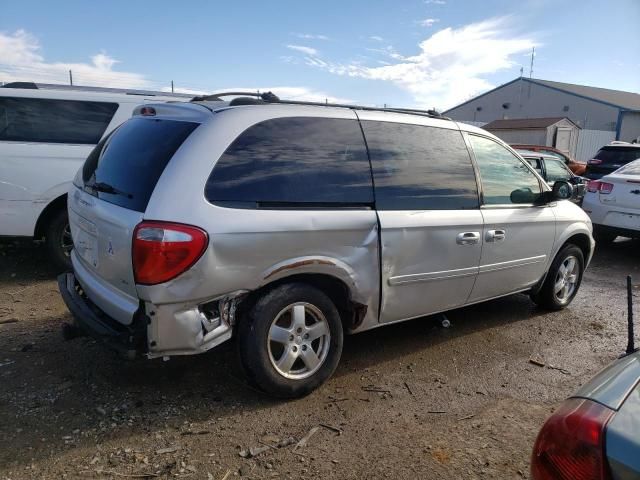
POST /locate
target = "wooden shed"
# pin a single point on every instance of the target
(558, 132)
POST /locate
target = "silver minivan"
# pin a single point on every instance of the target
(288, 224)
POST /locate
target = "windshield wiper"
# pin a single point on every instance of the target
(107, 188)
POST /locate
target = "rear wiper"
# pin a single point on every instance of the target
(106, 188)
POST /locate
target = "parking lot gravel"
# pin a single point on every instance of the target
(413, 400)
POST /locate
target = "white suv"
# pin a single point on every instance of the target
(46, 133)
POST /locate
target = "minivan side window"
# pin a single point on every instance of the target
(505, 178)
(417, 167)
(294, 161)
(44, 120)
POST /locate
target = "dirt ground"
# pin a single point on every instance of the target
(413, 400)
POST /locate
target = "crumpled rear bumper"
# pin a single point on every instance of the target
(156, 330)
(128, 340)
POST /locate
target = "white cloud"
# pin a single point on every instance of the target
(428, 22)
(376, 38)
(303, 49)
(311, 36)
(451, 65)
(20, 60)
(434, 2)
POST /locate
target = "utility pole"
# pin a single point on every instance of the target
(533, 54)
(171, 86)
(70, 78)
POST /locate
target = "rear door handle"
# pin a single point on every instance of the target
(468, 238)
(495, 235)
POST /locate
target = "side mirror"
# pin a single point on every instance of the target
(562, 190)
(522, 195)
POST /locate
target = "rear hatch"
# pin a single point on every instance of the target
(113, 190)
(609, 159)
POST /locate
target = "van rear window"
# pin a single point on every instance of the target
(45, 120)
(124, 168)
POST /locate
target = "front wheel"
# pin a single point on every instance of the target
(58, 241)
(291, 340)
(563, 279)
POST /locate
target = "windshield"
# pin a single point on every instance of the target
(632, 168)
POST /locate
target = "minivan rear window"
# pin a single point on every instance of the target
(618, 155)
(293, 162)
(130, 161)
(45, 120)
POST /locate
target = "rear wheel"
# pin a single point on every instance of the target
(563, 279)
(58, 240)
(291, 340)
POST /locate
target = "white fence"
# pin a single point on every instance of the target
(590, 141)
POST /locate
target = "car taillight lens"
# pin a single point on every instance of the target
(598, 186)
(594, 161)
(163, 250)
(605, 187)
(570, 445)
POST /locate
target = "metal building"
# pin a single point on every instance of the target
(602, 114)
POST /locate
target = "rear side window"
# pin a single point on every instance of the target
(618, 155)
(294, 160)
(420, 168)
(54, 121)
(125, 167)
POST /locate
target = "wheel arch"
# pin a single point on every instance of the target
(351, 311)
(45, 216)
(580, 239)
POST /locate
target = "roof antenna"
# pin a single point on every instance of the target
(630, 335)
(521, 71)
(533, 55)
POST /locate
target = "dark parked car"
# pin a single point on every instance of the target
(553, 169)
(610, 158)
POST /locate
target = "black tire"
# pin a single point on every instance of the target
(547, 296)
(56, 237)
(603, 236)
(256, 348)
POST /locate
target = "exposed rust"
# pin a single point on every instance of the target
(301, 263)
(359, 312)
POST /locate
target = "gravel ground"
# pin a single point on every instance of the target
(413, 400)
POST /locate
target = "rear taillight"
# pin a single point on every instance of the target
(598, 186)
(570, 445)
(594, 161)
(163, 250)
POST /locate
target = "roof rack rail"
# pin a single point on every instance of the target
(270, 97)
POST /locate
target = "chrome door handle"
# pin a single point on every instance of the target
(495, 235)
(468, 238)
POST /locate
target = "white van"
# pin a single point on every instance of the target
(46, 132)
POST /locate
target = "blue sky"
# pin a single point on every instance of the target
(422, 53)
